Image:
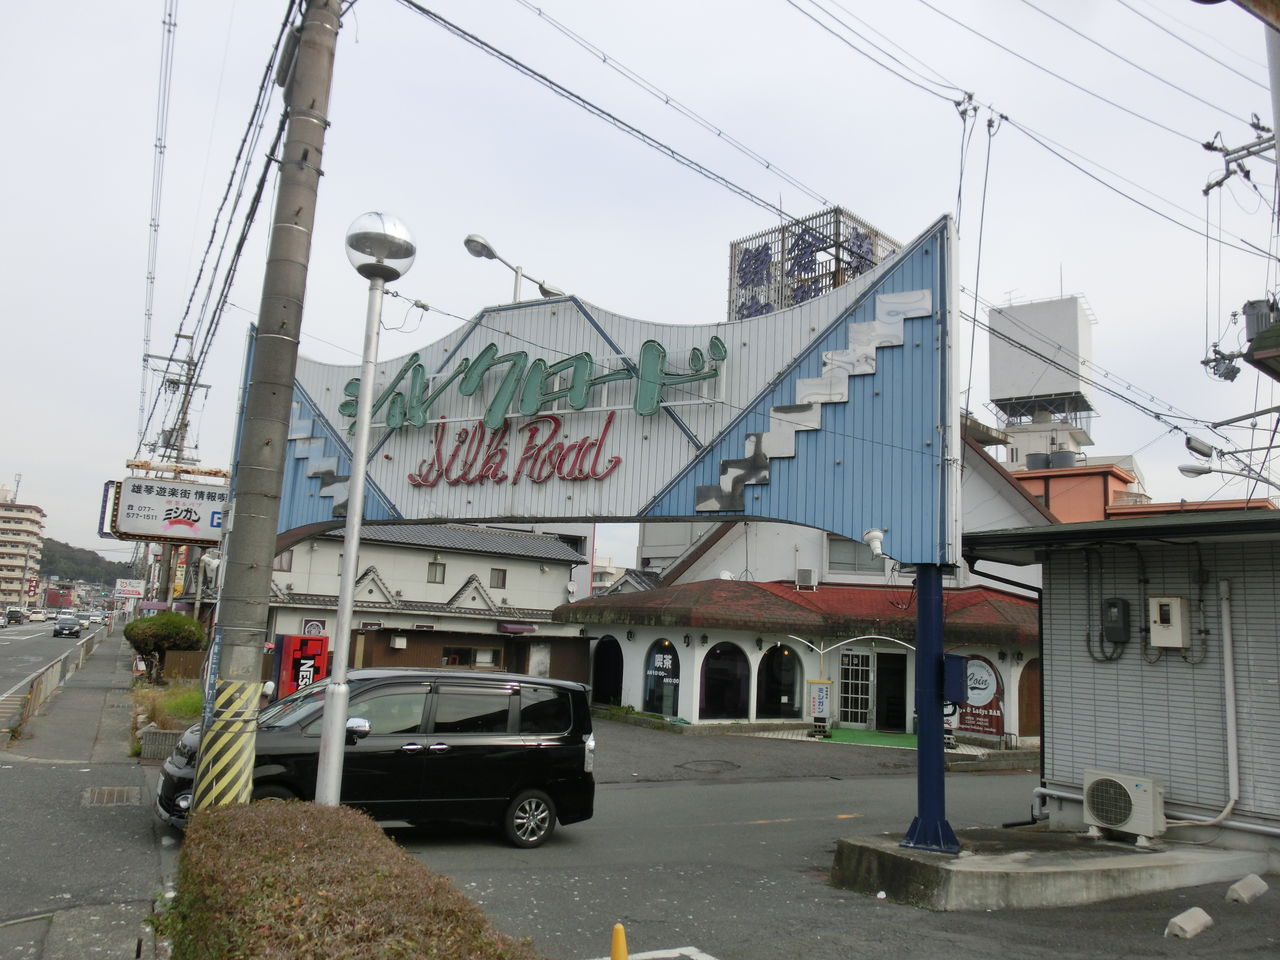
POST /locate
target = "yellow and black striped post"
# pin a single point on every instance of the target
(224, 772)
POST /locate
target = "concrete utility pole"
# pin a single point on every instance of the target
(225, 771)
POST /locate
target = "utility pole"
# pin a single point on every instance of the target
(225, 772)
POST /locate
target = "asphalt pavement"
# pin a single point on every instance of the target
(87, 861)
(81, 848)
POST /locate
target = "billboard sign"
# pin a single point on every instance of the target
(836, 412)
(130, 589)
(160, 510)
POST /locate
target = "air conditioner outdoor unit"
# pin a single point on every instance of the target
(806, 577)
(1124, 801)
(399, 643)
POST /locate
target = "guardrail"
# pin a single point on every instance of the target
(27, 696)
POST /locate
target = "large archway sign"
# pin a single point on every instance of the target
(836, 413)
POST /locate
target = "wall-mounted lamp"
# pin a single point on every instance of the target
(704, 639)
(631, 634)
(542, 568)
(687, 639)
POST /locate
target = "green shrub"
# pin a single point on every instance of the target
(295, 881)
(164, 631)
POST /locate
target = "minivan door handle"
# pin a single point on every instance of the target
(411, 748)
(439, 748)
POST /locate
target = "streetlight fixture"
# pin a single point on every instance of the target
(381, 249)
(478, 246)
(1201, 469)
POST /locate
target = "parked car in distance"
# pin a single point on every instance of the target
(36, 616)
(426, 745)
(66, 626)
(14, 615)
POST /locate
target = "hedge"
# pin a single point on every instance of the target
(296, 881)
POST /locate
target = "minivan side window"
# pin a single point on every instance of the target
(393, 713)
(472, 710)
(544, 710)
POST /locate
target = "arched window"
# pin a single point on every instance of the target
(726, 684)
(778, 685)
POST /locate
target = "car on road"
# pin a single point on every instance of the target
(36, 616)
(14, 615)
(426, 745)
(66, 626)
(83, 617)
(96, 616)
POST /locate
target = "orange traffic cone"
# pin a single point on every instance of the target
(619, 951)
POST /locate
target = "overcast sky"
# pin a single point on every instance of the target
(453, 141)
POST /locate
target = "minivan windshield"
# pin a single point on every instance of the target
(294, 707)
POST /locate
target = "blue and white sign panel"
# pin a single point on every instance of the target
(837, 413)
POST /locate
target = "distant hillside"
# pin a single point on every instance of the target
(66, 562)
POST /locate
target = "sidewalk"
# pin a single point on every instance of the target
(82, 850)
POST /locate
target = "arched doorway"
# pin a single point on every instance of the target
(606, 673)
(725, 691)
(778, 685)
(662, 679)
(1029, 703)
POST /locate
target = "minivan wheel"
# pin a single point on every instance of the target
(530, 819)
(273, 792)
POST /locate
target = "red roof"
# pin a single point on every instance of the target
(970, 614)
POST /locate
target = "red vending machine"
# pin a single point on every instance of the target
(303, 660)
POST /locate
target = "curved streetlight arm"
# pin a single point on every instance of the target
(1199, 470)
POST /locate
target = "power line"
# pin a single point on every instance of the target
(653, 90)
(1071, 83)
(1184, 41)
(1137, 66)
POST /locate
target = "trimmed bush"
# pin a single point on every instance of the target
(164, 631)
(296, 881)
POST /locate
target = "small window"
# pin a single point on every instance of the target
(283, 562)
(851, 556)
(497, 578)
(435, 572)
(461, 710)
(544, 710)
(487, 658)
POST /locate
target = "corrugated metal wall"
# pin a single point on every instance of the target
(1165, 719)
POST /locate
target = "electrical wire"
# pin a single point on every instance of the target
(194, 362)
(1137, 66)
(1071, 83)
(653, 90)
(1185, 42)
(1249, 248)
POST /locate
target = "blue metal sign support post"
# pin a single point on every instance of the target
(929, 830)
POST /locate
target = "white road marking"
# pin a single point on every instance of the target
(675, 953)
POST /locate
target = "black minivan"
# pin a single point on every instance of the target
(426, 745)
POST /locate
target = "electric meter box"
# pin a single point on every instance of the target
(1170, 621)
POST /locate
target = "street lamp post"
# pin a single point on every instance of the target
(478, 246)
(381, 249)
(1202, 469)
